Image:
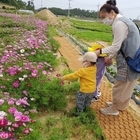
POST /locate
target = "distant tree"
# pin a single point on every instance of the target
(58, 11)
(30, 5)
(17, 3)
(74, 12)
(3, 7)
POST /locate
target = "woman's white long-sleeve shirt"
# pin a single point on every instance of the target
(120, 32)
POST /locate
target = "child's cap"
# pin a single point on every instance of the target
(89, 56)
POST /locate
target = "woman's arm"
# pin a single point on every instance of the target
(120, 32)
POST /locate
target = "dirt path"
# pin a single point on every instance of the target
(70, 52)
(123, 127)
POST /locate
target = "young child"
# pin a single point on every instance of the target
(87, 80)
(101, 64)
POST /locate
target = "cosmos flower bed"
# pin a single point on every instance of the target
(27, 60)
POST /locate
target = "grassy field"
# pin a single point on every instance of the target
(90, 31)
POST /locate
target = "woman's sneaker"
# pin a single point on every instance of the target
(109, 104)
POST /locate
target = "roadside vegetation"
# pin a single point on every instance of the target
(90, 30)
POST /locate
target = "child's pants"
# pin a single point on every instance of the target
(83, 100)
(101, 66)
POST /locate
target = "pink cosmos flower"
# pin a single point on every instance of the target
(3, 122)
(61, 83)
(39, 66)
(58, 75)
(2, 87)
(6, 93)
(4, 135)
(33, 53)
(13, 70)
(10, 129)
(4, 59)
(1, 101)
(10, 135)
(22, 101)
(44, 72)
(25, 92)
(15, 125)
(12, 110)
(20, 123)
(17, 118)
(26, 131)
(34, 73)
(51, 69)
(26, 66)
(47, 47)
(25, 118)
(10, 102)
(16, 113)
(16, 84)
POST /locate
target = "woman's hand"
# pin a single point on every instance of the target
(97, 52)
(108, 61)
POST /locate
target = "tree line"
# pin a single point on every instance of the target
(19, 4)
(74, 12)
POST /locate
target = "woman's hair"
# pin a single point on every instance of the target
(110, 5)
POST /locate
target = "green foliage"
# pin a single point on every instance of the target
(30, 5)
(63, 60)
(49, 94)
(71, 87)
(52, 31)
(17, 3)
(90, 35)
(92, 26)
(36, 134)
(74, 12)
(56, 125)
(53, 43)
(3, 7)
(136, 92)
(111, 71)
(90, 31)
(89, 118)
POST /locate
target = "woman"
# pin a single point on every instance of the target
(126, 38)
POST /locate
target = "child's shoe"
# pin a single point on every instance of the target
(95, 99)
(99, 94)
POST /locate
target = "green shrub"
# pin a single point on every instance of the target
(3, 7)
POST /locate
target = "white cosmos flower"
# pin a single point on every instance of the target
(22, 51)
(25, 76)
(3, 114)
(22, 55)
(21, 79)
(1, 75)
